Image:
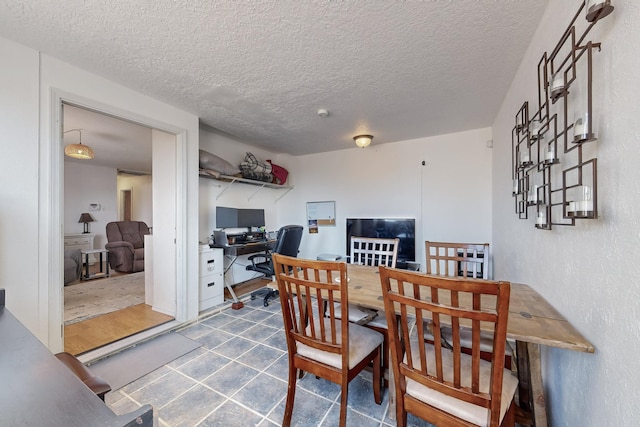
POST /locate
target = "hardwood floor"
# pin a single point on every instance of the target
(90, 334)
(99, 331)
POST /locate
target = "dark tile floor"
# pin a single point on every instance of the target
(238, 377)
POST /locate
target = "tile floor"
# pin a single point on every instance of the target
(238, 377)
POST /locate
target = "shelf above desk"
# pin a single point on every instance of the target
(230, 180)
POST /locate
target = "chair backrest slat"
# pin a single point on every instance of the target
(308, 290)
(460, 303)
(458, 259)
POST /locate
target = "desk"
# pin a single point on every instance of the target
(247, 247)
(38, 390)
(532, 322)
(233, 251)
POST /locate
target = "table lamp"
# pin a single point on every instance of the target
(86, 218)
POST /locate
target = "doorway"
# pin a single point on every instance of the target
(123, 154)
(125, 202)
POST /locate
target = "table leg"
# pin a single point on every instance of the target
(101, 262)
(107, 262)
(530, 387)
(236, 305)
(392, 391)
(86, 263)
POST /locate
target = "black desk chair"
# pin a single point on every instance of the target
(287, 243)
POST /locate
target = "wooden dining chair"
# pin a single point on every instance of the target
(470, 260)
(373, 252)
(458, 259)
(317, 341)
(440, 385)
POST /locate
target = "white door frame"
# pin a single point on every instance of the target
(51, 299)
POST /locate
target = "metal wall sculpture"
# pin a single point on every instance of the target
(554, 166)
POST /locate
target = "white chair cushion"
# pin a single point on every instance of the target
(486, 339)
(380, 321)
(356, 314)
(362, 341)
(466, 411)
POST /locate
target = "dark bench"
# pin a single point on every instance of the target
(97, 385)
(41, 391)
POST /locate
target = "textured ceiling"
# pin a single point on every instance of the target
(260, 70)
(117, 143)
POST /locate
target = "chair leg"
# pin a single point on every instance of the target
(343, 401)
(509, 419)
(401, 414)
(272, 294)
(291, 394)
(377, 377)
(265, 293)
(401, 419)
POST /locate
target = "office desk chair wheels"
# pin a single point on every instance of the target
(265, 293)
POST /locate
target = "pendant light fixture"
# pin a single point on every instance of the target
(362, 140)
(78, 151)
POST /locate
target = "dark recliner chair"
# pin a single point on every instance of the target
(126, 245)
(287, 243)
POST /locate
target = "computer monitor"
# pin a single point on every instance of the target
(251, 218)
(239, 218)
(226, 217)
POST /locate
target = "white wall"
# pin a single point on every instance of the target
(450, 196)
(85, 184)
(164, 218)
(588, 272)
(237, 196)
(19, 175)
(30, 221)
(141, 197)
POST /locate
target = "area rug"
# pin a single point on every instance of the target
(129, 365)
(89, 299)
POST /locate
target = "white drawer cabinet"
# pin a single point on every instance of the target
(211, 277)
(80, 241)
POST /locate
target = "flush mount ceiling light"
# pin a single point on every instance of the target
(362, 140)
(78, 151)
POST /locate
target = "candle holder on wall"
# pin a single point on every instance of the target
(597, 9)
(521, 160)
(564, 114)
(542, 217)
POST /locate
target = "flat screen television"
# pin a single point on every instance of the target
(386, 228)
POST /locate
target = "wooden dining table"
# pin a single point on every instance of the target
(532, 322)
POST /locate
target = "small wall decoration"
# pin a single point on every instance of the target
(554, 169)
